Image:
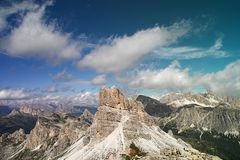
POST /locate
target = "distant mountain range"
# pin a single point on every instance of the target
(209, 123)
(68, 104)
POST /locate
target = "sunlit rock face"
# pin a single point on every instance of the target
(112, 97)
(114, 107)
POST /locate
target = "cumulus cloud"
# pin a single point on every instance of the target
(99, 80)
(175, 78)
(52, 89)
(188, 52)
(20, 97)
(85, 98)
(6, 11)
(58, 88)
(170, 78)
(62, 76)
(10, 94)
(35, 38)
(224, 82)
(124, 52)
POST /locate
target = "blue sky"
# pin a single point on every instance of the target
(67, 47)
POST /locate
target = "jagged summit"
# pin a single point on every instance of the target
(14, 112)
(87, 113)
(112, 97)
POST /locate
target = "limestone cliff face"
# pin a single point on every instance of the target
(154, 107)
(113, 108)
(112, 97)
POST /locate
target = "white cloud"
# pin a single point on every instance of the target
(35, 38)
(59, 88)
(85, 98)
(15, 8)
(52, 89)
(187, 52)
(62, 76)
(81, 99)
(224, 82)
(124, 52)
(175, 78)
(99, 80)
(170, 78)
(10, 94)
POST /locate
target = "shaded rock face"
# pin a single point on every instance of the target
(155, 108)
(4, 110)
(16, 120)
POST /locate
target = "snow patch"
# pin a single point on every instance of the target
(192, 125)
(37, 148)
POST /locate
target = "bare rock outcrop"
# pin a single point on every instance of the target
(114, 106)
(86, 116)
(54, 133)
(30, 110)
(112, 97)
(15, 138)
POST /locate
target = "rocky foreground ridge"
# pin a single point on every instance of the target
(52, 134)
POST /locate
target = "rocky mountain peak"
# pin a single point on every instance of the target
(14, 112)
(87, 113)
(86, 116)
(30, 110)
(113, 107)
(113, 97)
